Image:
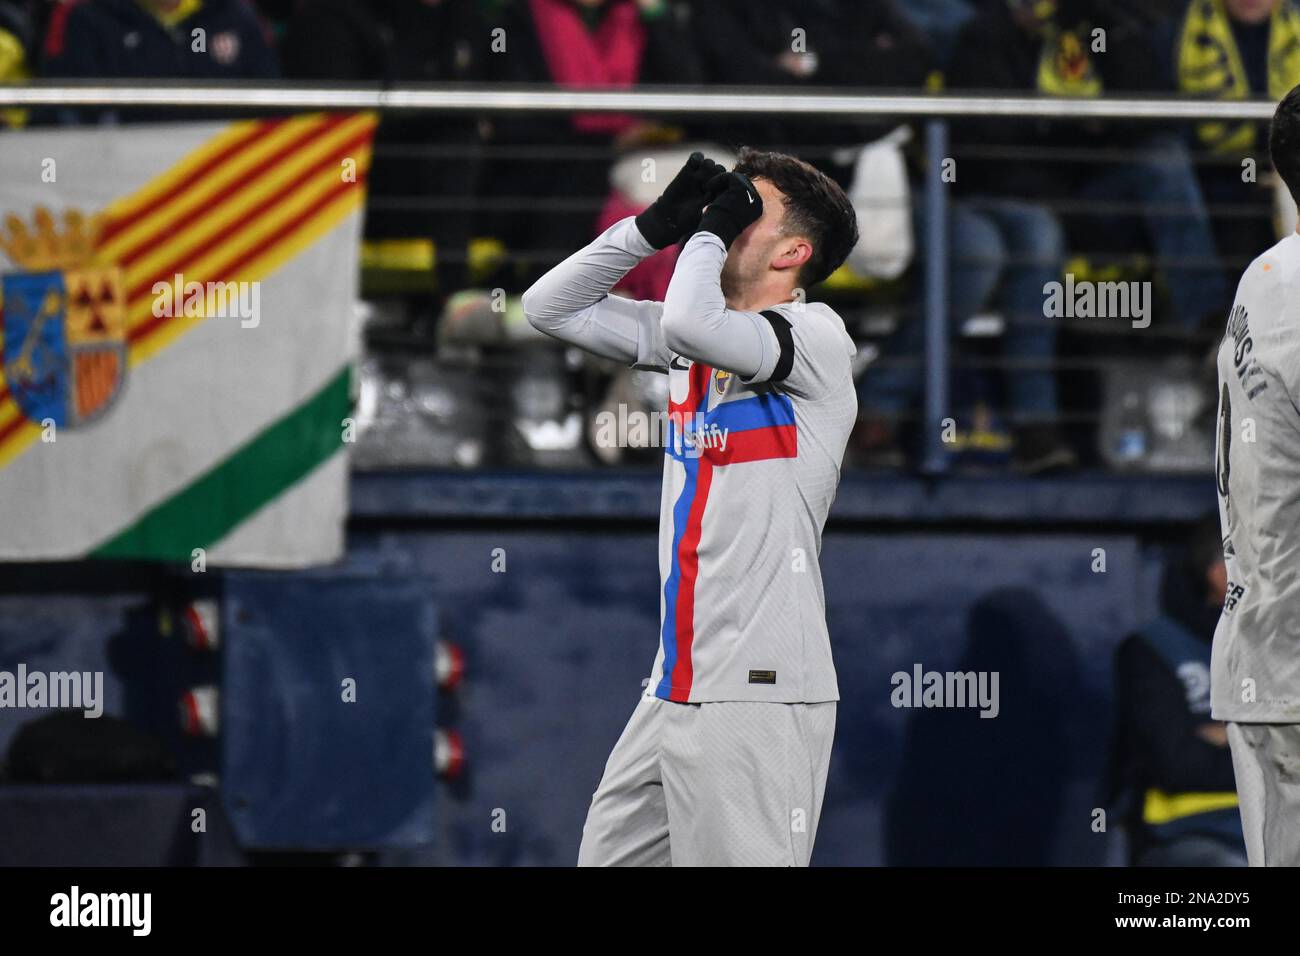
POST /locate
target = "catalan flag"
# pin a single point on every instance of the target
(175, 330)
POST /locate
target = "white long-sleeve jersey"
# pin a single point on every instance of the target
(1255, 665)
(760, 410)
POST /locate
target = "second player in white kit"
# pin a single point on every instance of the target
(1255, 671)
(724, 760)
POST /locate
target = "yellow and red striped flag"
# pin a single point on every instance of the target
(176, 305)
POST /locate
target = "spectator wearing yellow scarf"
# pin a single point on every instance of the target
(1210, 61)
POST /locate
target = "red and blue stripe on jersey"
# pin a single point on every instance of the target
(759, 428)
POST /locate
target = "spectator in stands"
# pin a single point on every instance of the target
(551, 185)
(809, 42)
(941, 21)
(427, 167)
(153, 39)
(865, 44)
(100, 39)
(1055, 49)
(393, 41)
(1235, 50)
(1172, 766)
(1002, 253)
(763, 42)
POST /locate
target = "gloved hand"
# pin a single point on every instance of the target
(674, 215)
(734, 205)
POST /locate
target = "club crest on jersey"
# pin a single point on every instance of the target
(63, 319)
(720, 380)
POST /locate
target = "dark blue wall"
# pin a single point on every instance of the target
(559, 643)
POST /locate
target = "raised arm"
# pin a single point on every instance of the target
(572, 302)
(696, 322)
(805, 349)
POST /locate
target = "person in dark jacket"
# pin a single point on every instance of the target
(427, 167)
(155, 39)
(150, 39)
(1172, 759)
(867, 44)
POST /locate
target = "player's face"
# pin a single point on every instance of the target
(760, 247)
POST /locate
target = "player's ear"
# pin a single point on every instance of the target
(792, 253)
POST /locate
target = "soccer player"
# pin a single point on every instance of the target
(724, 759)
(1255, 665)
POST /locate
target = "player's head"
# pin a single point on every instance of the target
(1284, 141)
(807, 229)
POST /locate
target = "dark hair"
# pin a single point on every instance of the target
(1284, 141)
(815, 206)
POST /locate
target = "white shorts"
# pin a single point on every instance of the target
(734, 783)
(1266, 761)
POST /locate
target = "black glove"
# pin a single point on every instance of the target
(734, 205)
(674, 215)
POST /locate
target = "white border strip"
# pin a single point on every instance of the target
(649, 100)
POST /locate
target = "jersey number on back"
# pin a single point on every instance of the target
(1225, 442)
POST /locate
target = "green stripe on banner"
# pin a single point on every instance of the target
(267, 466)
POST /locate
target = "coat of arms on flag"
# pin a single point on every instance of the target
(64, 321)
(175, 339)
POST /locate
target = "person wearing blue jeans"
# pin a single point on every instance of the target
(940, 20)
(1176, 222)
(1002, 254)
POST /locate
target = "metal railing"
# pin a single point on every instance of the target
(713, 101)
(935, 110)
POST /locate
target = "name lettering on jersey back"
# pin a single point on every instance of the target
(1233, 597)
(1246, 365)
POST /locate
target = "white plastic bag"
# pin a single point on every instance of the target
(882, 198)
